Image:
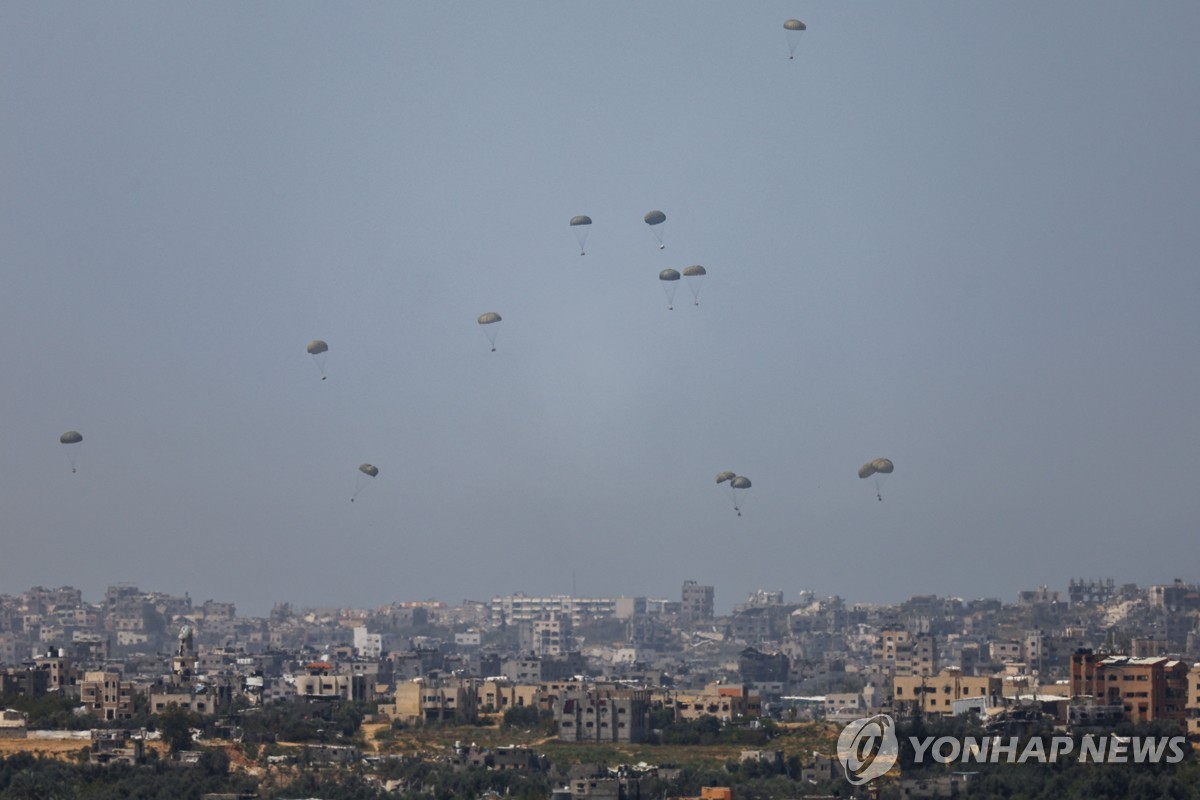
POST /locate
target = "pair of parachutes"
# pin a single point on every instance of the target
(317, 348)
(736, 483)
(670, 280)
(582, 225)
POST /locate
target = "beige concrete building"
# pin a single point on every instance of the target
(13, 724)
(106, 696)
(906, 653)
(435, 701)
(1192, 703)
(604, 713)
(497, 695)
(722, 701)
(551, 635)
(935, 694)
(321, 683)
(1147, 688)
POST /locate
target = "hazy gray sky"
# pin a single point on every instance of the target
(959, 235)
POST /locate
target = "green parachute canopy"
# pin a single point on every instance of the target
(581, 224)
(670, 278)
(882, 466)
(655, 218)
(489, 321)
(316, 347)
(792, 29)
(72, 441)
(725, 476)
(365, 472)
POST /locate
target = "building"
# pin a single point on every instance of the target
(905, 652)
(1146, 688)
(936, 694)
(517, 608)
(105, 696)
(551, 635)
(13, 724)
(436, 700)
(718, 700)
(321, 683)
(603, 713)
(116, 747)
(1192, 703)
(696, 601)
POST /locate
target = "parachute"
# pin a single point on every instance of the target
(365, 471)
(876, 467)
(490, 318)
(670, 279)
(581, 224)
(736, 483)
(317, 349)
(72, 440)
(739, 483)
(793, 27)
(695, 276)
(654, 219)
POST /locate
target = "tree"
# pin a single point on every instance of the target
(175, 724)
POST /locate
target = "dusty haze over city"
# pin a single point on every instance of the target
(960, 236)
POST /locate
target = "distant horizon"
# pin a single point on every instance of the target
(720, 610)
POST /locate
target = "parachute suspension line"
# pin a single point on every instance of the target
(878, 492)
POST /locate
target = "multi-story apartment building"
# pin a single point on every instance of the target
(105, 696)
(63, 675)
(603, 713)
(551, 635)
(517, 608)
(935, 694)
(1192, 703)
(436, 700)
(696, 601)
(1146, 688)
(725, 702)
(906, 653)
